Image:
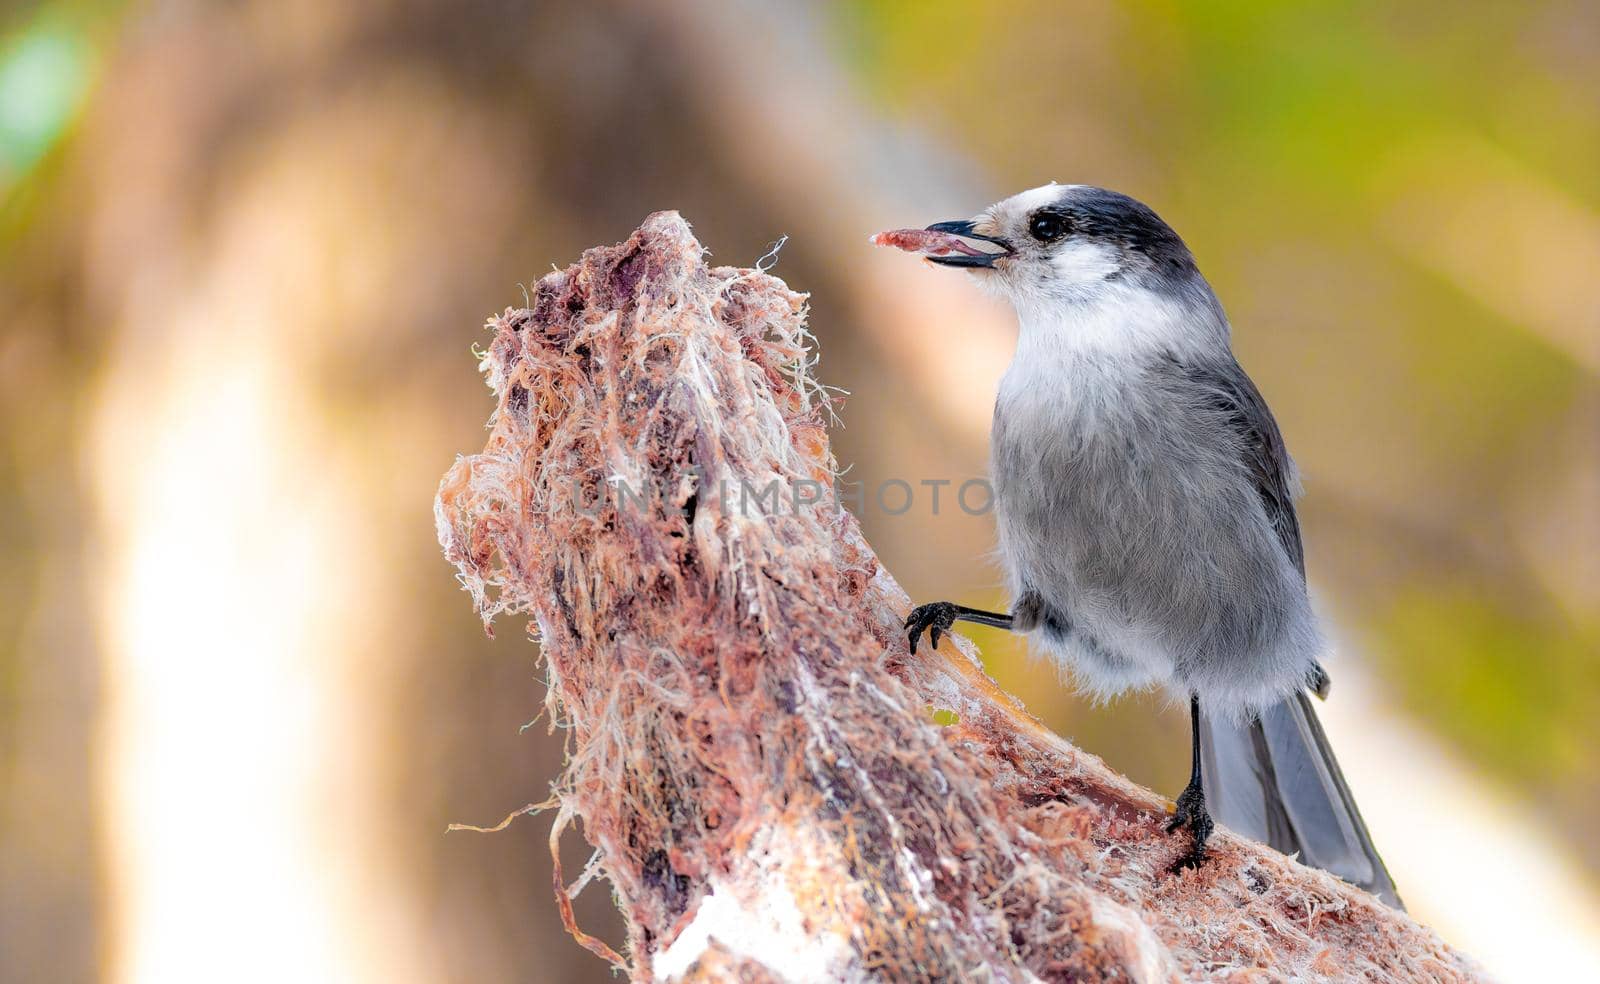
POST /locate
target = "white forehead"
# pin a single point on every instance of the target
(1026, 202)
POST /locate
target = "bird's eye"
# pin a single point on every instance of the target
(1047, 228)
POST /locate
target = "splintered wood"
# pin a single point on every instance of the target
(751, 749)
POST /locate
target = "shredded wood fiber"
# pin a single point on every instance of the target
(750, 745)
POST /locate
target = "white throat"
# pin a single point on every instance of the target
(1077, 360)
(1116, 322)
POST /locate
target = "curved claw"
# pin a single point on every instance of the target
(1192, 861)
(935, 619)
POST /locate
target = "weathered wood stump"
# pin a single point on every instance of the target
(751, 746)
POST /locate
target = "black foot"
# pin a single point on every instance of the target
(1192, 814)
(934, 618)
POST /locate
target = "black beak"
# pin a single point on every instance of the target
(979, 255)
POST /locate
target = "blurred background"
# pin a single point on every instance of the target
(245, 250)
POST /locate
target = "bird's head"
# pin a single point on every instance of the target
(1066, 243)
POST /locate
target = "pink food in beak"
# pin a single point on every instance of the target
(926, 241)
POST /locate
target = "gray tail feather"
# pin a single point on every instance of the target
(1276, 780)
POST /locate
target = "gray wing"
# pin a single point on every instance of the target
(1275, 778)
(1226, 390)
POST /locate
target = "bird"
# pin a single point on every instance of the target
(1144, 504)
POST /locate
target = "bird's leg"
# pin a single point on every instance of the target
(936, 618)
(1191, 810)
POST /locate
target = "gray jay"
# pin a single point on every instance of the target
(1145, 506)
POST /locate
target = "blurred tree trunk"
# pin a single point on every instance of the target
(279, 208)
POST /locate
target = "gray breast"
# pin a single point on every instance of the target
(1124, 504)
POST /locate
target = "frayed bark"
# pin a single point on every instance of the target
(751, 746)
